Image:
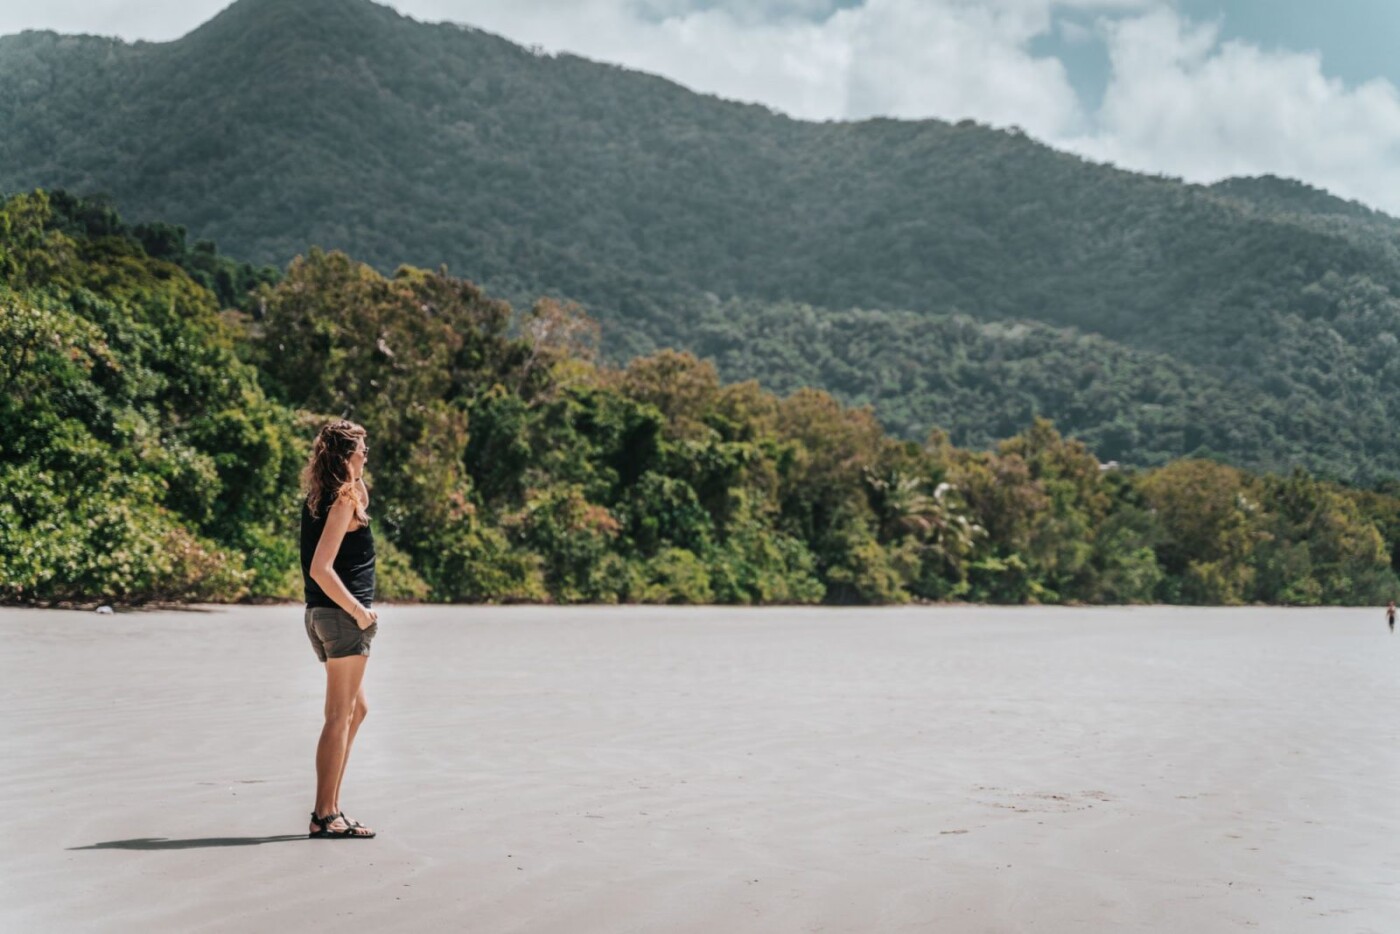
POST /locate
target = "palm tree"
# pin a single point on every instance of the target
(938, 520)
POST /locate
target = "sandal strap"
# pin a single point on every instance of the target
(325, 822)
(351, 822)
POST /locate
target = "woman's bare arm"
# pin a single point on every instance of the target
(323, 563)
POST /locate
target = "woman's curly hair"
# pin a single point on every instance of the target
(328, 470)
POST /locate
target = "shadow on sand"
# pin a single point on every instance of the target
(161, 843)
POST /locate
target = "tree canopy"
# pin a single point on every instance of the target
(150, 445)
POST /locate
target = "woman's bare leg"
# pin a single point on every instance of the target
(343, 679)
(357, 717)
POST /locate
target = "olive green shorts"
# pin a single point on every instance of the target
(335, 634)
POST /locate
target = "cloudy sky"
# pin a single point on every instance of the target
(1200, 89)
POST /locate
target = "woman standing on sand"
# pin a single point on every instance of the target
(337, 566)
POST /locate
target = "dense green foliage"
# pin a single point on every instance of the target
(1268, 309)
(232, 283)
(983, 381)
(149, 447)
(139, 459)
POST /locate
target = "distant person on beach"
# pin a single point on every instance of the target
(1390, 614)
(337, 565)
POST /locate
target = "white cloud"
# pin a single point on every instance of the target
(1180, 101)
(156, 20)
(749, 12)
(953, 60)
(1075, 33)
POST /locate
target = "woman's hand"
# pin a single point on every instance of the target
(365, 617)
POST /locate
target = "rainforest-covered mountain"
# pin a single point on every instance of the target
(1253, 320)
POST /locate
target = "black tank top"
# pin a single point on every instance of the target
(354, 563)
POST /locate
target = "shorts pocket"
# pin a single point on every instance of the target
(331, 624)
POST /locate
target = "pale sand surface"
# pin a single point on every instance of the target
(712, 770)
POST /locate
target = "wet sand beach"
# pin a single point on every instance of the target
(647, 769)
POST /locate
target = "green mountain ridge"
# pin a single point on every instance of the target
(1271, 192)
(983, 381)
(278, 125)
